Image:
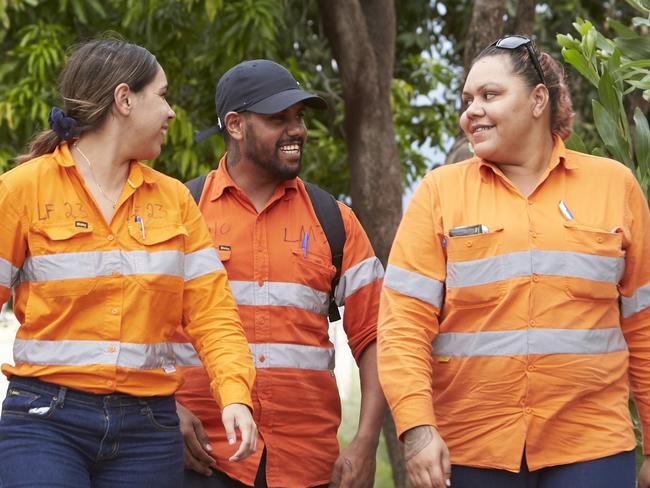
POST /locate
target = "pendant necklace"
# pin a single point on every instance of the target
(92, 174)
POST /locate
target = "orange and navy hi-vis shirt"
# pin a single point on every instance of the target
(98, 303)
(280, 269)
(539, 323)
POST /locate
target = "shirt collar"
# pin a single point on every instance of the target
(141, 173)
(558, 156)
(62, 155)
(222, 180)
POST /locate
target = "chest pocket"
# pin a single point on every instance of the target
(596, 266)
(61, 264)
(159, 264)
(315, 271)
(474, 270)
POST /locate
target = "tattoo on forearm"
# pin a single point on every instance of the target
(417, 439)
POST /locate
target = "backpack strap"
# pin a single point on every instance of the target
(196, 187)
(329, 216)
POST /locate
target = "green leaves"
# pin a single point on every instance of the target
(196, 41)
(642, 140)
(618, 68)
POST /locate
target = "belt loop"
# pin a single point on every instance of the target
(146, 409)
(60, 397)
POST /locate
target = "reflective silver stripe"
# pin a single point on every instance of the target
(186, 355)
(357, 277)
(271, 356)
(85, 353)
(637, 302)
(414, 285)
(200, 263)
(535, 261)
(280, 295)
(101, 263)
(529, 341)
(8, 273)
(292, 356)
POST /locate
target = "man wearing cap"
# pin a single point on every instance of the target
(280, 269)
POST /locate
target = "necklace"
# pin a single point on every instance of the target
(92, 173)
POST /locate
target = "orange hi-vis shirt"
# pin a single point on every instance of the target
(280, 269)
(97, 302)
(538, 324)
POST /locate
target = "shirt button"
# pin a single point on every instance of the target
(111, 348)
(468, 243)
(532, 323)
(110, 383)
(529, 202)
(535, 278)
(528, 410)
(599, 239)
(114, 311)
(261, 358)
(533, 235)
(110, 237)
(531, 368)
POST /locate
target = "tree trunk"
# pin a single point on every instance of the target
(525, 18)
(485, 27)
(361, 34)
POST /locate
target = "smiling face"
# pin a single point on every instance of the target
(150, 116)
(275, 142)
(498, 110)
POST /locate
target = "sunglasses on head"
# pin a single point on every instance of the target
(514, 42)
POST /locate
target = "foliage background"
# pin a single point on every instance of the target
(198, 40)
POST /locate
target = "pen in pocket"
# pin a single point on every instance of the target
(565, 211)
(139, 220)
(305, 238)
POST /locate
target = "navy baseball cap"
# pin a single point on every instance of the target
(259, 86)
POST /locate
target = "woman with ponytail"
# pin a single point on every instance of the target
(526, 272)
(107, 259)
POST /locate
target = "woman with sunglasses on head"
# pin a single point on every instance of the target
(527, 268)
(107, 258)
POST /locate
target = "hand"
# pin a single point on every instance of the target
(196, 445)
(427, 458)
(644, 474)
(238, 415)
(355, 466)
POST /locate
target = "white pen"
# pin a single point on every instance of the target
(565, 211)
(141, 222)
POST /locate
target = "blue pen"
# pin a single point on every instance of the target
(305, 237)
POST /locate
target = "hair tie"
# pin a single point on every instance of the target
(64, 126)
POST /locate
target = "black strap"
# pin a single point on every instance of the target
(329, 215)
(196, 187)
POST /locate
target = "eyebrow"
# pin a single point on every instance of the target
(481, 87)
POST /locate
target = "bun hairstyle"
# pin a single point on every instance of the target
(559, 97)
(87, 85)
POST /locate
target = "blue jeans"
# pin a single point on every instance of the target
(56, 437)
(617, 471)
